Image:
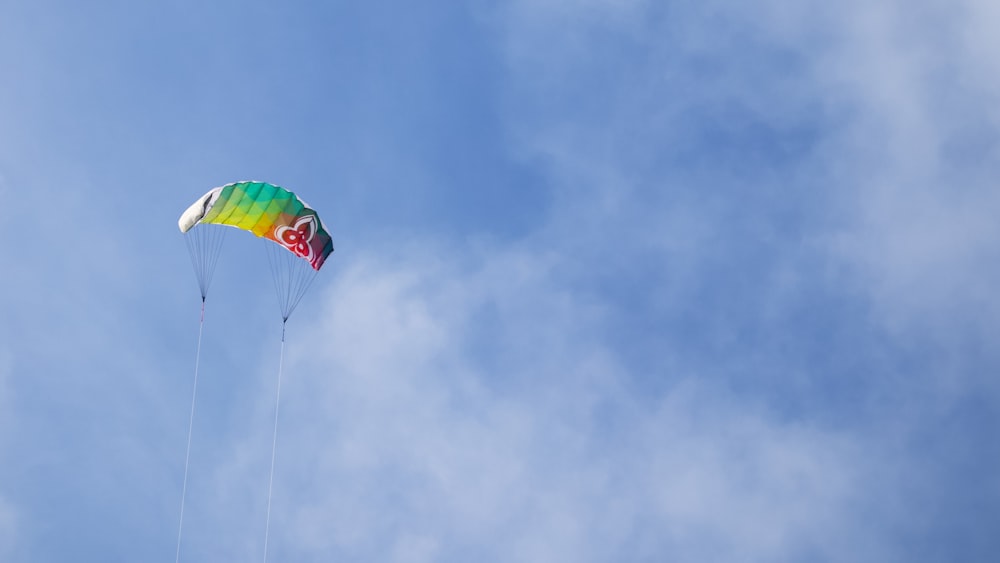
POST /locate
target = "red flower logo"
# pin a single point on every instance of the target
(297, 237)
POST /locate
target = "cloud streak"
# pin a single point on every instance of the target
(735, 304)
(707, 350)
(401, 444)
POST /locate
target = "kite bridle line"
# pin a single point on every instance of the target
(204, 244)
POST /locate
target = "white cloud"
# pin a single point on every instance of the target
(925, 235)
(903, 99)
(914, 157)
(400, 443)
(463, 403)
(457, 403)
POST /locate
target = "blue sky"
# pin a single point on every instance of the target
(615, 281)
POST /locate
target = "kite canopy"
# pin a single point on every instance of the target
(270, 212)
(267, 211)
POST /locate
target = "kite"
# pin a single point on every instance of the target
(297, 246)
(267, 211)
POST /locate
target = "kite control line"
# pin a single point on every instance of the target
(187, 454)
(274, 439)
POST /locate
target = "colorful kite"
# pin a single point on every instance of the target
(267, 211)
(302, 246)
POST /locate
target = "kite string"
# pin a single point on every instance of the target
(274, 440)
(187, 454)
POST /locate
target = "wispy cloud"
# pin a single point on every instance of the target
(749, 314)
(401, 442)
(920, 158)
(746, 210)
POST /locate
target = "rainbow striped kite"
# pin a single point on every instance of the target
(267, 211)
